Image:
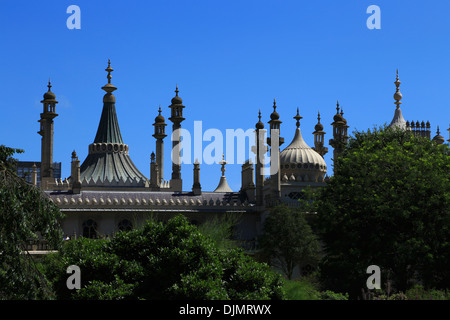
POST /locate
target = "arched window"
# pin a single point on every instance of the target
(90, 229)
(125, 225)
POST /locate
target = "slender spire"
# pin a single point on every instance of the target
(223, 185)
(275, 116)
(298, 117)
(176, 90)
(259, 124)
(337, 107)
(397, 95)
(109, 88)
(223, 163)
(108, 129)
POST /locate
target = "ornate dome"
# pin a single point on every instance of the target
(49, 95)
(318, 127)
(299, 160)
(159, 118)
(176, 99)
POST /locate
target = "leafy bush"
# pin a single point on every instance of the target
(330, 295)
(170, 260)
(301, 290)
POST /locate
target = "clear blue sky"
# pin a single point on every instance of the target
(229, 58)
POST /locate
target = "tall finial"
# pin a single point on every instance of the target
(49, 84)
(337, 106)
(438, 130)
(259, 124)
(397, 95)
(342, 111)
(223, 163)
(109, 70)
(159, 109)
(298, 117)
(176, 89)
(274, 104)
(109, 88)
(318, 116)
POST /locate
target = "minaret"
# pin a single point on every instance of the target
(196, 187)
(159, 135)
(319, 137)
(260, 150)
(46, 131)
(339, 133)
(275, 153)
(75, 173)
(154, 173)
(176, 116)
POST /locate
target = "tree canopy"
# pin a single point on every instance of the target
(25, 213)
(287, 240)
(161, 260)
(388, 204)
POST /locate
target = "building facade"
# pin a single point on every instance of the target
(106, 192)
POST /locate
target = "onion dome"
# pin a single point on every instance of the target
(49, 95)
(438, 138)
(259, 125)
(319, 126)
(301, 160)
(274, 115)
(337, 117)
(159, 118)
(176, 99)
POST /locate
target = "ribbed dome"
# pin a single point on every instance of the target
(159, 119)
(439, 139)
(338, 117)
(318, 127)
(298, 157)
(176, 100)
(49, 95)
(398, 121)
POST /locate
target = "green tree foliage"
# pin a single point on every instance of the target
(220, 230)
(288, 240)
(24, 213)
(388, 204)
(171, 260)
